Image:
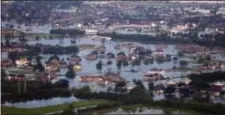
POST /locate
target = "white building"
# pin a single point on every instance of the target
(203, 11)
(207, 31)
(221, 11)
(90, 31)
(71, 10)
(155, 71)
(179, 28)
(136, 29)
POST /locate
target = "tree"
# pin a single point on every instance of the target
(183, 63)
(99, 65)
(201, 60)
(85, 89)
(103, 41)
(194, 58)
(56, 57)
(39, 67)
(84, 92)
(37, 38)
(148, 52)
(29, 58)
(134, 81)
(147, 61)
(175, 58)
(50, 37)
(174, 67)
(13, 56)
(7, 42)
(208, 58)
(168, 57)
(136, 62)
(140, 84)
(150, 86)
(62, 83)
(119, 64)
(150, 89)
(109, 89)
(3, 73)
(7, 36)
(125, 63)
(138, 94)
(38, 59)
(180, 54)
(22, 38)
(108, 24)
(70, 73)
(120, 87)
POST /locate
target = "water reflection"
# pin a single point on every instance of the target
(137, 111)
(42, 103)
(144, 110)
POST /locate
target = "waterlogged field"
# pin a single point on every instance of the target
(48, 109)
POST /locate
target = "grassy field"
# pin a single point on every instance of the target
(86, 46)
(179, 69)
(42, 110)
(41, 35)
(133, 108)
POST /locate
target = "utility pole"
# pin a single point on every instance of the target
(25, 85)
(18, 86)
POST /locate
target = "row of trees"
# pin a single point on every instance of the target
(165, 39)
(143, 38)
(208, 77)
(120, 92)
(37, 94)
(71, 32)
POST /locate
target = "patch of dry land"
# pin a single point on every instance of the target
(41, 35)
(178, 69)
(86, 46)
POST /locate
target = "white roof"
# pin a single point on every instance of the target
(218, 83)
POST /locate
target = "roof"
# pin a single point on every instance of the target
(5, 31)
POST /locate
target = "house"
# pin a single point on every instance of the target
(10, 32)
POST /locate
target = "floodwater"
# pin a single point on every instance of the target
(42, 103)
(89, 67)
(140, 111)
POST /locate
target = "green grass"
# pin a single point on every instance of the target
(41, 35)
(41, 110)
(86, 46)
(130, 108)
(179, 69)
